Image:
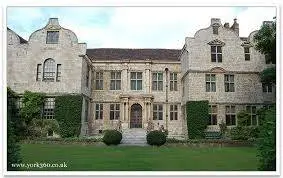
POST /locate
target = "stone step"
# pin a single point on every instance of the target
(135, 137)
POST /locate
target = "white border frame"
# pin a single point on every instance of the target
(144, 173)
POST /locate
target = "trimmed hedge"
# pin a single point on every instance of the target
(52, 140)
(68, 110)
(156, 137)
(197, 116)
(244, 132)
(112, 137)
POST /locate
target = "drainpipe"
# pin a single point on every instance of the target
(166, 100)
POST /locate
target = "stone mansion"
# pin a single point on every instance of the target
(141, 88)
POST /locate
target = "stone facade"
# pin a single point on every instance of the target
(181, 77)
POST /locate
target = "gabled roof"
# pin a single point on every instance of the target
(22, 40)
(133, 54)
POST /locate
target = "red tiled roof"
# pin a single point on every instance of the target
(133, 54)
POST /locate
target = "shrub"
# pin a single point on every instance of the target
(244, 133)
(267, 142)
(156, 137)
(197, 114)
(112, 137)
(13, 147)
(41, 127)
(68, 109)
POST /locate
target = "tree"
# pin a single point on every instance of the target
(265, 42)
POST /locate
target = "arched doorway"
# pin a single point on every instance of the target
(136, 116)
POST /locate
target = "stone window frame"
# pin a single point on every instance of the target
(252, 110)
(58, 72)
(157, 111)
(230, 115)
(156, 81)
(173, 112)
(98, 111)
(49, 70)
(99, 80)
(209, 82)
(216, 50)
(48, 108)
(267, 87)
(173, 78)
(229, 82)
(52, 37)
(212, 120)
(134, 78)
(115, 81)
(114, 111)
(39, 72)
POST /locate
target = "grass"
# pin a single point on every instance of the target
(127, 158)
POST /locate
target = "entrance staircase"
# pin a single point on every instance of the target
(135, 137)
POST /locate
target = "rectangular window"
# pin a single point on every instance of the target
(267, 87)
(210, 82)
(52, 37)
(99, 81)
(115, 81)
(212, 120)
(157, 81)
(252, 111)
(114, 111)
(58, 73)
(136, 80)
(98, 111)
(247, 53)
(38, 72)
(87, 76)
(173, 82)
(157, 112)
(216, 53)
(174, 112)
(229, 83)
(86, 110)
(215, 30)
(48, 108)
(230, 115)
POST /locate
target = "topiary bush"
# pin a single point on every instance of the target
(156, 137)
(112, 137)
(197, 115)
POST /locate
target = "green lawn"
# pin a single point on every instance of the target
(127, 158)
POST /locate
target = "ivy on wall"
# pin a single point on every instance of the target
(68, 110)
(197, 115)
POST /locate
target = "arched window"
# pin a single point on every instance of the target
(49, 69)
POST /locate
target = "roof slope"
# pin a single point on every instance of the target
(133, 54)
(22, 40)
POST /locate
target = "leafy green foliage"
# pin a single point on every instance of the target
(32, 106)
(13, 147)
(268, 75)
(112, 137)
(41, 127)
(265, 40)
(197, 116)
(156, 137)
(243, 117)
(267, 142)
(68, 109)
(244, 133)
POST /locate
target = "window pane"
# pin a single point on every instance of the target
(176, 116)
(231, 78)
(233, 109)
(160, 116)
(213, 49)
(232, 88)
(226, 87)
(160, 85)
(253, 109)
(247, 57)
(214, 109)
(207, 77)
(254, 120)
(139, 85)
(160, 108)
(133, 85)
(247, 50)
(154, 85)
(219, 57)
(133, 75)
(160, 76)
(213, 57)
(111, 115)
(212, 78)
(111, 106)
(227, 109)
(219, 49)
(139, 75)
(207, 86)
(171, 76)
(117, 107)
(233, 119)
(154, 107)
(213, 87)
(118, 85)
(112, 85)
(154, 76)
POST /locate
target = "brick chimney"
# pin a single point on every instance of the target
(235, 27)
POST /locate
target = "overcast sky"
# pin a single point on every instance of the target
(135, 27)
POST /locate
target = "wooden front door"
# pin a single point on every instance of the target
(136, 116)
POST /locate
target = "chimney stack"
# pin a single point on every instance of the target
(235, 27)
(226, 25)
(215, 21)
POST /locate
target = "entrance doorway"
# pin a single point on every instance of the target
(136, 116)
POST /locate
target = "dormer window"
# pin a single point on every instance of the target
(216, 53)
(52, 37)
